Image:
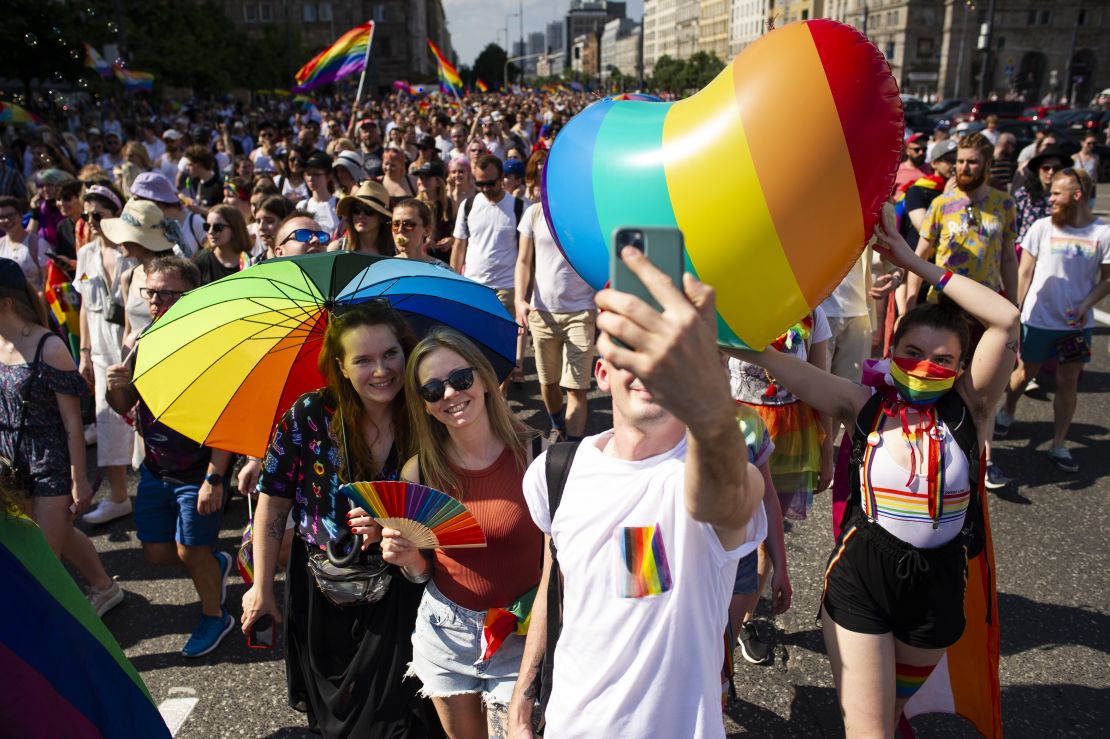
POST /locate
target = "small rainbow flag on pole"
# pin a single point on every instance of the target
(95, 62)
(346, 56)
(65, 305)
(447, 72)
(64, 673)
(482, 86)
(134, 81)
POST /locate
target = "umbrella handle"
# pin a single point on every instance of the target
(335, 547)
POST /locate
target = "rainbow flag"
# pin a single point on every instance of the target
(346, 56)
(404, 87)
(501, 622)
(97, 63)
(64, 673)
(65, 306)
(482, 86)
(447, 72)
(134, 81)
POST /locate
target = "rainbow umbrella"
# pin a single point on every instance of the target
(228, 359)
(64, 673)
(12, 113)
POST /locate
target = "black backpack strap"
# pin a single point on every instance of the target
(466, 206)
(560, 458)
(518, 209)
(957, 418)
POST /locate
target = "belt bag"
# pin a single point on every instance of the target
(363, 582)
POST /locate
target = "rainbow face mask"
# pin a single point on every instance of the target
(920, 382)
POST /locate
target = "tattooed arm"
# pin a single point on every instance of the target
(269, 528)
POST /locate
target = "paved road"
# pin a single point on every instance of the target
(1053, 563)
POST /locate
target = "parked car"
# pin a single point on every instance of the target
(1081, 120)
(977, 110)
(914, 106)
(940, 109)
(1039, 112)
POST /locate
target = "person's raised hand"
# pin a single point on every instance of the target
(890, 243)
(673, 352)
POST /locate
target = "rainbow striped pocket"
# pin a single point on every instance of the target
(642, 568)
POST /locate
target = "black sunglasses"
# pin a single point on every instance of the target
(483, 184)
(147, 294)
(92, 217)
(461, 379)
(213, 228)
(306, 235)
(362, 210)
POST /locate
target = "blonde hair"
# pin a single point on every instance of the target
(137, 150)
(431, 437)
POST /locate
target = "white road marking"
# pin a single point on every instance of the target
(1102, 317)
(176, 709)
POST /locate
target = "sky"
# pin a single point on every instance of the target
(475, 23)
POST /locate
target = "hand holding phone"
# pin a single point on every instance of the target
(261, 633)
(662, 246)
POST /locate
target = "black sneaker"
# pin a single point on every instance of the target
(754, 649)
(995, 480)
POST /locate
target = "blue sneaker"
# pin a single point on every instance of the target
(209, 633)
(225, 569)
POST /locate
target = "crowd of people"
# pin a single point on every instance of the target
(671, 522)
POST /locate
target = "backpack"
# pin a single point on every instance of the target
(956, 416)
(560, 458)
(518, 210)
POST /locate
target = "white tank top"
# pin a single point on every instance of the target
(903, 509)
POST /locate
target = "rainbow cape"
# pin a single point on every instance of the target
(64, 673)
(65, 306)
(500, 622)
(447, 72)
(346, 56)
(97, 63)
(134, 81)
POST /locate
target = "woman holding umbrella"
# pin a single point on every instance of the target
(345, 665)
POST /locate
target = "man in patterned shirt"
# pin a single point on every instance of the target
(972, 229)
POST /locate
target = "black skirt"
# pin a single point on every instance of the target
(345, 666)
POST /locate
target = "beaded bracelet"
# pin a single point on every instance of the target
(943, 281)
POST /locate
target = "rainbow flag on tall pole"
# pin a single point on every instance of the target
(448, 75)
(64, 673)
(97, 63)
(346, 56)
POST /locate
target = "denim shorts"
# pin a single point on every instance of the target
(447, 645)
(747, 574)
(167, 511)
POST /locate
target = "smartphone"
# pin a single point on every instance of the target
(662, 246)
(261, 633)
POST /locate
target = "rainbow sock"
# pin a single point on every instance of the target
(910, 678)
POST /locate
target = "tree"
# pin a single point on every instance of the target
(669, 75)
(701, 69)
(490, 65)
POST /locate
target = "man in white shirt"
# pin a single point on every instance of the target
(485, 232)
(154, 146)
(654, 517)
(171, 163)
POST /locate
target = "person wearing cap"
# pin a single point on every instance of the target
(181, 482)
(113, 152)
(370, 146)
(426, 152)
(940, 133)
(348, 172)
(431, 189)
(154, 186)
(365, 216)
(100, 267)
(513, 172)
(40, 393)
(1032, 199)
(170, 163)
(921, 192)
(321, 203)
(913, 166)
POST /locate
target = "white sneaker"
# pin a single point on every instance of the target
(108, 510)
(90, 434)
(105, 600)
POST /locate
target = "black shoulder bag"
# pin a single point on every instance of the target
(14, 474)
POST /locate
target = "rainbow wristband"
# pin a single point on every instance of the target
(943, 281)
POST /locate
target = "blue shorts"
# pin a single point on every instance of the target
(747, 574)
(1038, 345)
(447, 651)
(167, 511)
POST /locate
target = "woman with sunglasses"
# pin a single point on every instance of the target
(412, 232)
(100, 268)
(470, 447)
(432, 191)
(292, 181)
(345, 665)
(227, 245)
(1032, 199)
(365, 217)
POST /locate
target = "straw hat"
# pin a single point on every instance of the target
(369, 193)
(141, 222)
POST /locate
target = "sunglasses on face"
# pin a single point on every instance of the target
(1051, 167)
(12, 216)
(461, 379)
(403, 226)
(213, 228)
(362, 210)
(89, 217)
(147, 294)
(306, 235)
(485, 184)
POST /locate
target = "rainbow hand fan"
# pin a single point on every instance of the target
(425, 516)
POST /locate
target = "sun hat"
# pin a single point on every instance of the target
(154, 186)
(142, 223)
(1052, 151)
(369, 193)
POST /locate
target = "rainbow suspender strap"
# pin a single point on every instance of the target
(870, 505)
(930, 428)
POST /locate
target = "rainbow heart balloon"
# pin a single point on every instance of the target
(775, 172)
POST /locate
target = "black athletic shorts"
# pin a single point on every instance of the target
(876, 583)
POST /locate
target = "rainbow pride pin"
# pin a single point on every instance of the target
(775, 173)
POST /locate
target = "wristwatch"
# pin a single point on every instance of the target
(214, 478)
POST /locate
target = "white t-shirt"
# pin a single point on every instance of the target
(169, 167)
(491, 241)
(750, 382)
(849, 299)
(155, 149)
(637, 656)
(1069, 261)
(557, 288)
(323, 213)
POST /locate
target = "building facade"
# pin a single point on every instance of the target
(747, 21)
(620, 48)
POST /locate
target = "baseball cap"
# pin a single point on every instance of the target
(942, 148)
(514, 167)
(917, 138)
(430, 169)
(172, 134)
